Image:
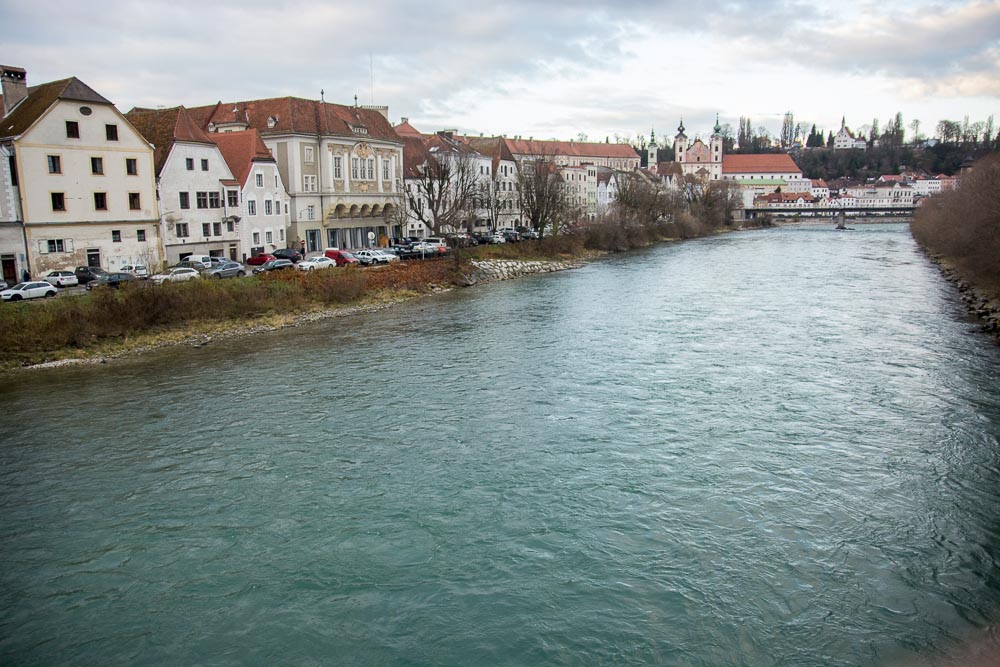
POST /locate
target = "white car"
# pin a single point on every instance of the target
(374, 256)
(314, 263)
(30, 290)
(61, 278)
(139, 270)
(176, 275)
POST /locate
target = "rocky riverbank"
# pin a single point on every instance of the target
(979, 304)
(492, 270)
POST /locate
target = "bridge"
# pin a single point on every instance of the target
(831, 212)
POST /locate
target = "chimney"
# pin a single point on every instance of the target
(15, 86)
(404, 120)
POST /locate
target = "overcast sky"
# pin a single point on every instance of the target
(543, 69)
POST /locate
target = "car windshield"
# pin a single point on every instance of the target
(348, 255)
(19, 286)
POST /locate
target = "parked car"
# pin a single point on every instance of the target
(29, 290)
(510, 236)
(262, 258)
(291, 254)
(529, 234)
(84, 274)
(192, 264)
(372, 257)
(3, 284)
(139, 270)
(206, 260)
(61, 278)
(341, 257)
(224, 269)
(177, 274)
(113, 280)
(314, 263)
(275, 265)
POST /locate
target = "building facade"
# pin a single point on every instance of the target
(83, 177)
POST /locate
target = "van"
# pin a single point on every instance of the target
(203, 259)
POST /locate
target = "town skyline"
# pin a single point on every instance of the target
(558, 71)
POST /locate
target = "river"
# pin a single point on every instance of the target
(776, 447)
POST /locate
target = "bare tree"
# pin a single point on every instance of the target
(441, 197)
(540, 194)
(494, 201)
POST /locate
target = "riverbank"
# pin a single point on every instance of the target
(201, 332)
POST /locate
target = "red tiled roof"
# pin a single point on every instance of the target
(414, 154)
(819, 183)
(162, 127)
(240, 150)
(283, 115)
(404, 129)
(571, 148)
(669, 169)
(782, 197)
(770, 163)
(40, 98)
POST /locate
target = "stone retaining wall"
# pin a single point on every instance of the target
(490, 270)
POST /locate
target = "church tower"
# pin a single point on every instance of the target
(680, 143)
(651, 149)
(715, 143)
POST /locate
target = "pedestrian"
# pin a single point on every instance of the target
(25, 275)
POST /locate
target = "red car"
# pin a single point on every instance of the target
(260, 259)
(341, 257)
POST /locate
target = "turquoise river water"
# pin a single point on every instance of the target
(775, 447)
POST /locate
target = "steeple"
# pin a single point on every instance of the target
(717, 128)
(652, 137)
(680, 130)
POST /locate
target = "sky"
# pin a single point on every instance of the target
(547, 69)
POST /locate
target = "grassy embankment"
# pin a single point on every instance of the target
(961, 231)
(109, 322)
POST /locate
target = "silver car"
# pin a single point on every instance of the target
(61, 278)
(224, 269)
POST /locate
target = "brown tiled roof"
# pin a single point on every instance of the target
(571, 148)
(669, 169)
(40, 98)
(404, 129)
(494, 147)
(240, 150)
(776, 163)
(297, 115)
(162, 127)
(414, 154)
(818, 183)
(782, 197)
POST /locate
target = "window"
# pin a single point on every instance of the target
(354, 167)
(72, 129)
(202, 199)
(371, 169)
(97, 166)
(251, 207)
(55, 164)
(205, 229)
(185, 199)
(116, 236)
(140, 235)
(385, 170)
(275, 180)
(216, 229)
(267, 207)
(281, 234)
(260, 180)
(338, 172)
(214, 200)
(131, 166)
(204, 165)
(230, 225)
(256, 238)
(311, 213)
(56, 245)
(134, 202)
(308, 155)
(101, 201)
(58, 201)
(189, 163)
(181, 230)
(309, 184)
(232, 198)
(268, 236)
(111, 132)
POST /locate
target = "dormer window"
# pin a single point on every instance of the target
(358, 129)
(271, 122)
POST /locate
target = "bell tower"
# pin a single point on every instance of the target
(680, 143)
(651, 150)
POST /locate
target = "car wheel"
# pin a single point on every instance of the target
(217, 276)
(16, 297)
(50, 293)
(241, 274)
